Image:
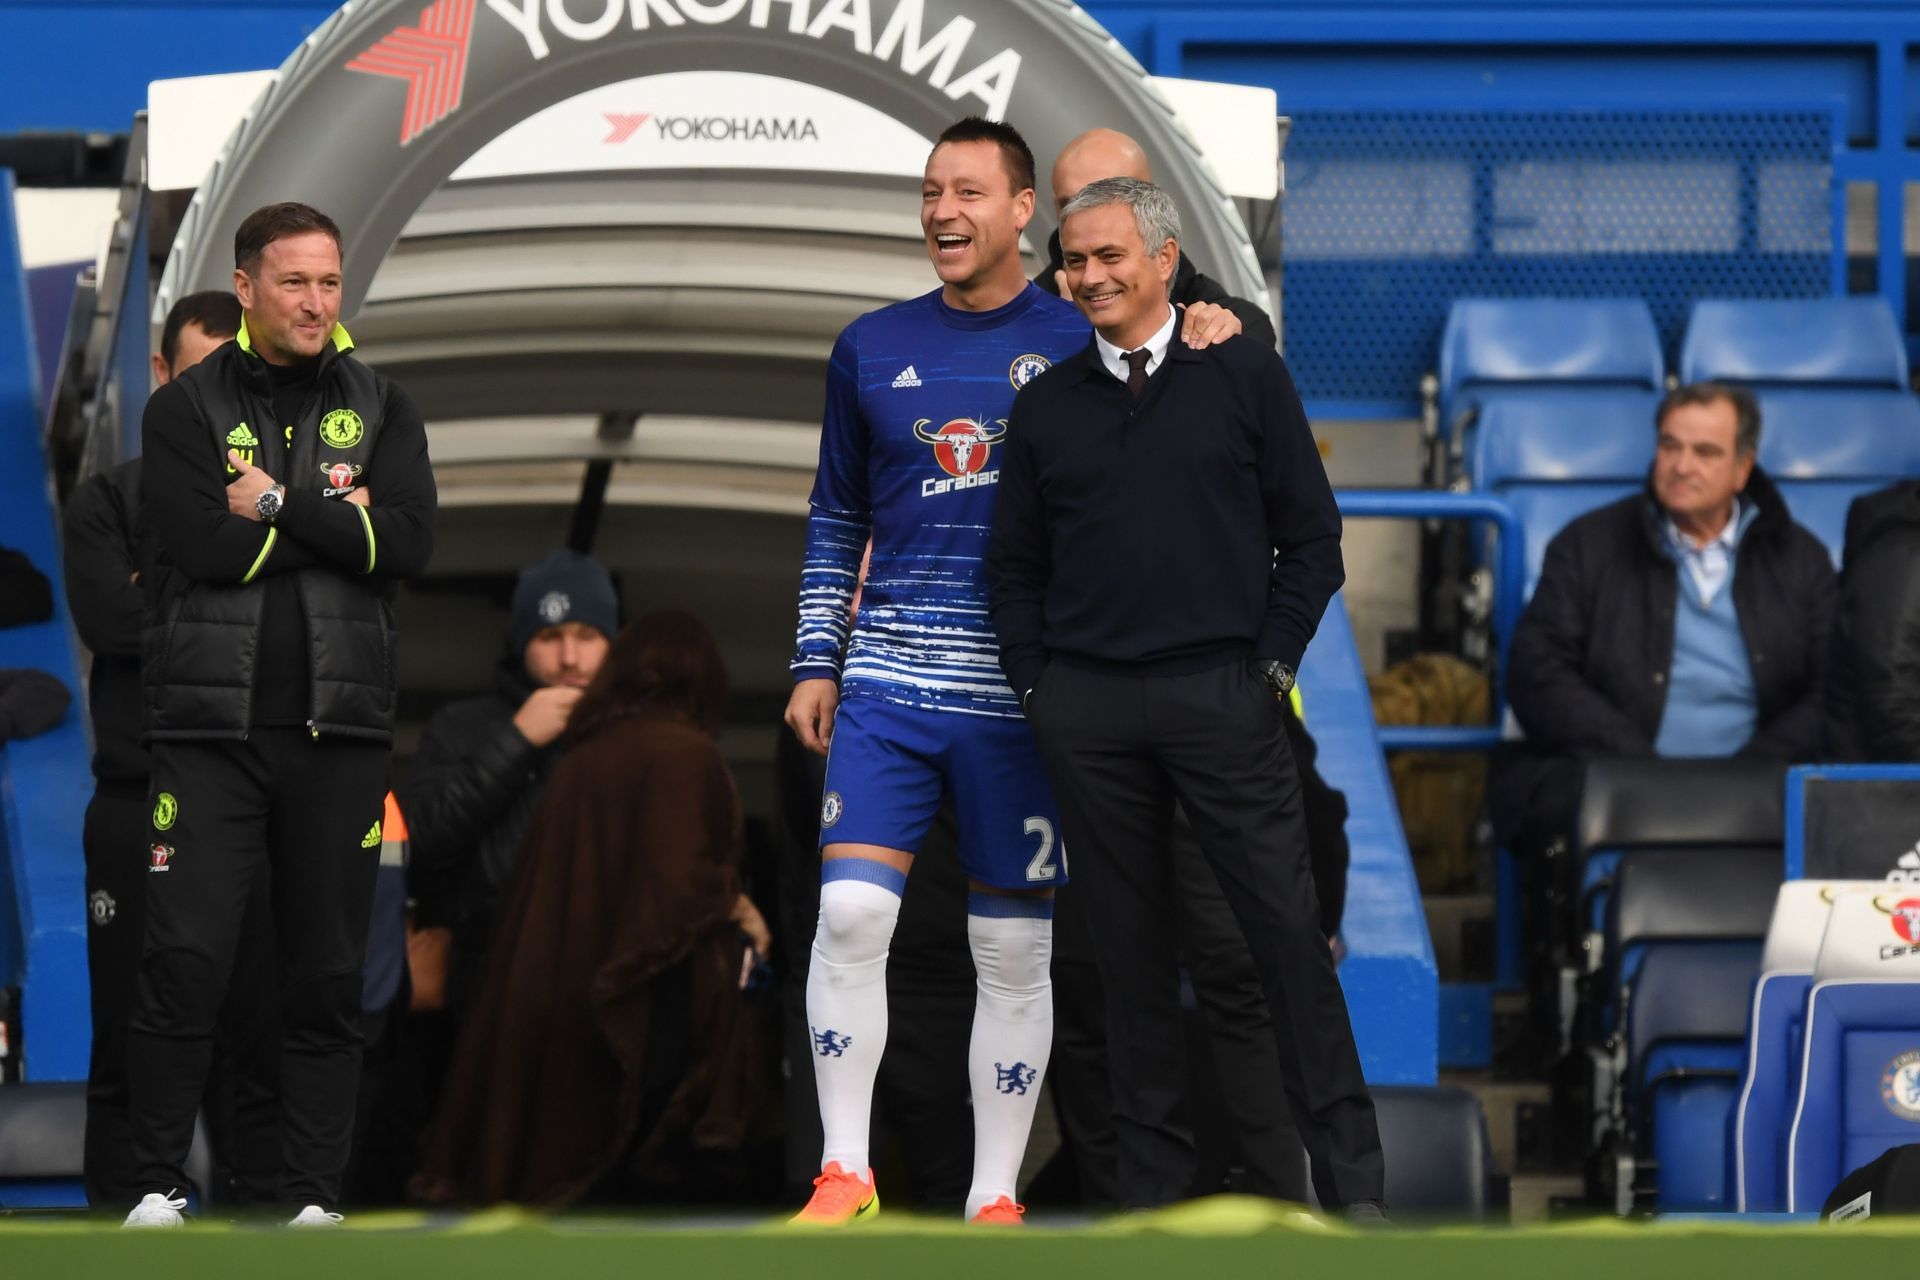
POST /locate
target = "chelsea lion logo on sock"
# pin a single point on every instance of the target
(1014, 1079)
(830, 1043)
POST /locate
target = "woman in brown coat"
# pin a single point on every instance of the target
(609, 1052)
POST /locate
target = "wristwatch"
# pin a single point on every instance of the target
(1275, 674)
(268, 503)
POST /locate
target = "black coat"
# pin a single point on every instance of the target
(469, 799)
(107, 544)
(1188, 286)
(1587, 674)
(1873, 696)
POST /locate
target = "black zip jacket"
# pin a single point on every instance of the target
(1188, 286)
(209, 595)
(26, 596)
(105, 547)
(1587, 671)
(1182, 530)
(1873, 695)
(469, 799)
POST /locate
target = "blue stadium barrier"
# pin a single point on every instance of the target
(1389, 975)
(1422, 504)
(45, 782)
(1465, 1009)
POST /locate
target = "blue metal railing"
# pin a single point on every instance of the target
(1509, 576)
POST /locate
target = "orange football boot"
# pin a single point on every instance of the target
(840, 1197)
(1001, 1213)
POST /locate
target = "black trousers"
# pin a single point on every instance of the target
(301, 811)
(244, 1110)
(1243, 1079)
(1121, 750)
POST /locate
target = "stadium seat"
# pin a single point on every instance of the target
(1835, 342)
(1685, 1027)
(1837, 415)
(1555, 455)
(1822, 505)
(1665, 898)
(1439, 1160)
(1687, 895)
(1813, 434)
(1559, 436)
(1637, 804)
(1770, 1074)
(42, 1138)
(1860, 1068)
(1495, 345)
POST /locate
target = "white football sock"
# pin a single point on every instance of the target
(847, 1001)
(1012, 946)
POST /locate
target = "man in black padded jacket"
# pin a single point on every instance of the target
(288, 488)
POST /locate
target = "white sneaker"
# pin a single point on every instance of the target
(314, 1216)
(155, 1210)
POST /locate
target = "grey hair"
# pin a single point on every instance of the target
(1153, 211)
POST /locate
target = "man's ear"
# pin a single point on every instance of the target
(161, 374)
(1023, 209)
(243, 289)
(1168, 260)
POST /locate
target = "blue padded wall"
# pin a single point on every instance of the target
(45, 782)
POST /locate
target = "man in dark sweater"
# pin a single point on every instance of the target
(107, 548)
(1263, 1154)
(288, 488)
(1164, 544)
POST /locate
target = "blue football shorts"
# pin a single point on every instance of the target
(890, 765)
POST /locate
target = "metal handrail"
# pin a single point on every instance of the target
(1509, 576)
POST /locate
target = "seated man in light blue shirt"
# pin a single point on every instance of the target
(1690, 619)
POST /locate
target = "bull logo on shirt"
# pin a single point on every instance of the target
(961, 446)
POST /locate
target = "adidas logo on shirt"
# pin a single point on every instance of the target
(906, 378)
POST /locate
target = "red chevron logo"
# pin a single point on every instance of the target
(431, 58)
(623, 125)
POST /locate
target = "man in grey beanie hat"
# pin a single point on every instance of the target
(471, 793)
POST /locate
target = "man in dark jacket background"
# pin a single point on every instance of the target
(1873, 692)
(484, 762)
(288, 488)
(1688, 620)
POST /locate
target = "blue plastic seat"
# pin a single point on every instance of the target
(1546, 509)
(1822, 505)
(1813, 434)
(1495, 344)
(1564, 436)
(1686, 1024)
(1833, 342)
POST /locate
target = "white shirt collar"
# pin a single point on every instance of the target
(1114, 358)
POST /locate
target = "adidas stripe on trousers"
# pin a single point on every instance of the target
(302, 812)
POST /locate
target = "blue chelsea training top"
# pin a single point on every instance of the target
(918, 396)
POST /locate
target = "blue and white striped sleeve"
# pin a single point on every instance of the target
(839, 524)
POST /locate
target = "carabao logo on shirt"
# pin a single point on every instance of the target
(961, 446)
